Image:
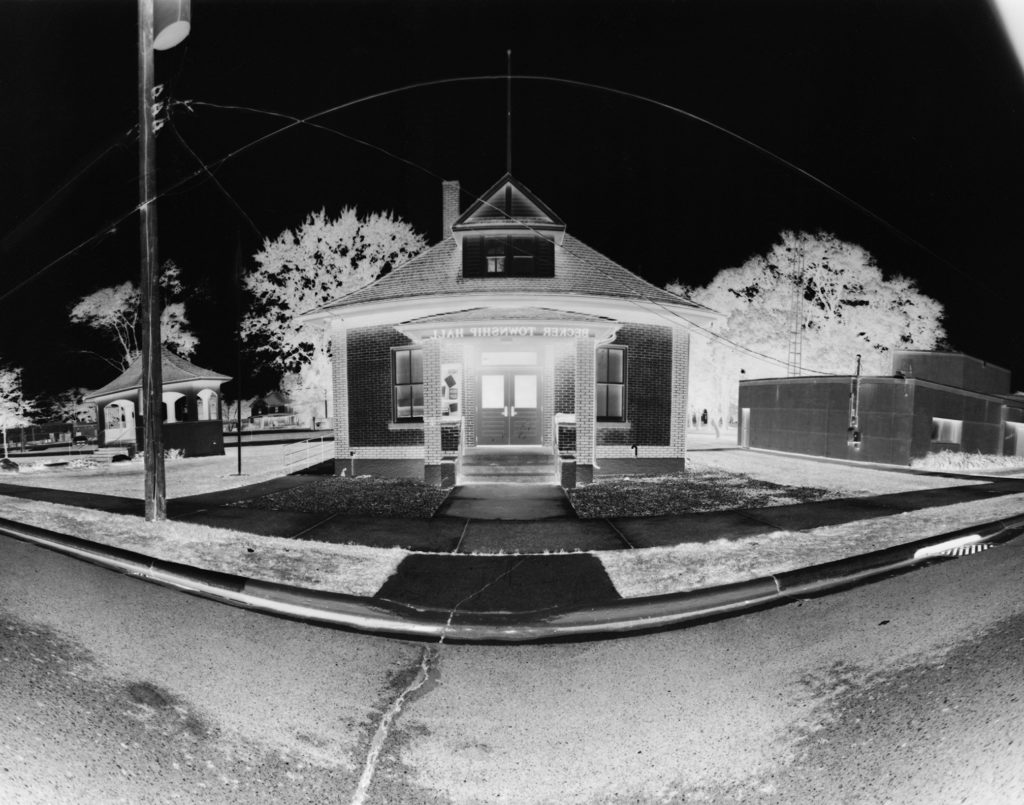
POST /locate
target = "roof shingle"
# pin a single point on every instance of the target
(174, 369)
(579, 269)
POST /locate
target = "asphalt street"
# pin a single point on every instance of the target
(906, 690)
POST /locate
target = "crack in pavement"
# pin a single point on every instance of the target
(429, 659)
(380, 735)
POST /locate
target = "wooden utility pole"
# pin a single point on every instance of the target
(149, 290)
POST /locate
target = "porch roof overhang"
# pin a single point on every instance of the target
(403, 310)
(488, 323)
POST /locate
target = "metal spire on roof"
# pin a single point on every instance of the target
(508, 114)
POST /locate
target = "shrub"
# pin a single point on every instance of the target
(955, 460)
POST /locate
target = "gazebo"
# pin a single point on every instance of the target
(191, 410)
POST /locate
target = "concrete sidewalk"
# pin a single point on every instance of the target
(541, 585)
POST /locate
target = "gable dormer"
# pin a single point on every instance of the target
(508, 232)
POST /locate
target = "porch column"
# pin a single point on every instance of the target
(339, 382)
(680, 390)
(432, 473)
(586, 367)
(101, 425)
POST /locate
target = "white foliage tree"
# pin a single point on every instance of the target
(116, 312)
(15, 409)
(67, 406)
(308, 389)
(832, 290)
(320, 260)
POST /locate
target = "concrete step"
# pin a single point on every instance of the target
(508, 461)
(518, 478)
(498, 466)
(508, 469)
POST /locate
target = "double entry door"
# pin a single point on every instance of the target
(509, 411)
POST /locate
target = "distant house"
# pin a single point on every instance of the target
(933, 401)
(190, 412)
(273, 410)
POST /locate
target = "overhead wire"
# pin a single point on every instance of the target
(308, 120)
(214, 179)
(118, 141)
(664, 312)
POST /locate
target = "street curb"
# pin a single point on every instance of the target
(394, 618)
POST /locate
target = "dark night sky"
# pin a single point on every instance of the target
(914, 108)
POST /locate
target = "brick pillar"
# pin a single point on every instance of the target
(432, 412)
(586, 367)
(680, 390)
(339, 377)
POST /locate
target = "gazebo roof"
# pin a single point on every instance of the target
(174, 369)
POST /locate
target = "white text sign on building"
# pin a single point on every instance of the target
(525, 331)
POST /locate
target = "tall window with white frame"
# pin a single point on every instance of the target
(407, 377)
(611, 384)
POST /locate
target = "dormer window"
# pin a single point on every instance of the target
(507, 256)
(496, 256)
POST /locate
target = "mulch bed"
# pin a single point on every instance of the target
(616, 496)
(383, 497)
(684, 493)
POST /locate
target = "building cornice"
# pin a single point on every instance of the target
(398, 311)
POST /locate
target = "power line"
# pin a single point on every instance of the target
(215, 180)
(118, 141)
(308, 120)
(665, 313)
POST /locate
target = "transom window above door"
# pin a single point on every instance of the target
(508, 358)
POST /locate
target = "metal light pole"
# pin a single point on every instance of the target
(172, 27)
(238, 332)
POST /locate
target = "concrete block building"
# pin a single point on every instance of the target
(508, 337)
(933, 401)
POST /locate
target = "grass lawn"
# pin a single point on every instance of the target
(715, 480)
(187, 476)
(349, 569)
(690, 566)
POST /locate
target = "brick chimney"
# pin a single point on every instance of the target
(450, 207)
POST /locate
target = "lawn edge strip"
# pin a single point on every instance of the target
(395, 618)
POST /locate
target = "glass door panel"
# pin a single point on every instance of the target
(492, 391)
(525, 391)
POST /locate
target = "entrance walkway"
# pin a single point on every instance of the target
(507, 502)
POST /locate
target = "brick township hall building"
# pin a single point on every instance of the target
(933, 401)
(508, 342)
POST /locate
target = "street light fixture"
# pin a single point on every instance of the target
(172, 18)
